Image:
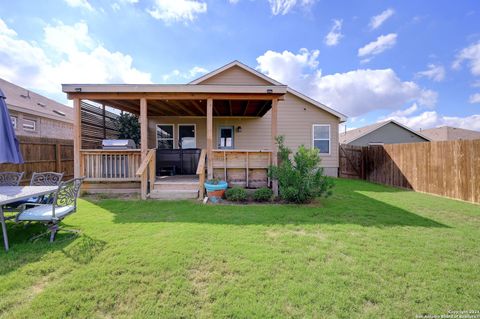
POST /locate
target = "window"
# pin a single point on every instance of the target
(321, 137)
(14, 121)
(165, 136)
(29, 125)
(186, 136)
(226, 137)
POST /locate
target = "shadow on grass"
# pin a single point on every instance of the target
(80, 248)
(349, 205)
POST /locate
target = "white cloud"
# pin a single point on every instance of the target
(434, 72)
(182, 76)
(382, 43)
(287, 67)
(429, 119)
(177, 10)
(378, 20)
(283, 7)
(353, 93)
(84, 4)
(63, 59)
(335, 34)
(470, 54)
(474, 98)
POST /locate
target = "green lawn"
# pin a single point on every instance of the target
(366, 252)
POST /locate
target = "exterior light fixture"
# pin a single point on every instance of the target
(78, 89)
(269, 91)
(239, 129)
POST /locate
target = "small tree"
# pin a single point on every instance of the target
(302, 179)
(128, 127)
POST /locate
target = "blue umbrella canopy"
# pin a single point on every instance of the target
(9, 149)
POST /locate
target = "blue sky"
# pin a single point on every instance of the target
(415, 61)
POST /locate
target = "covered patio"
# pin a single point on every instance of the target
(195, 102)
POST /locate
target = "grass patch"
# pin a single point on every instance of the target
(368, 251)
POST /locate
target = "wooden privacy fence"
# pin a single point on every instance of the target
(43, 155)
(450, 169)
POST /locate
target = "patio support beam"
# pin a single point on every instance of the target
(143, 127)
(77, 136)
(209, 137)
(274, 133)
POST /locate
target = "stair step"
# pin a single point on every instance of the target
(174, 194)
(176, 186)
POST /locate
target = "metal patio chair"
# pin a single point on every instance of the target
(64, 204)
(10, 178)
(38, 179)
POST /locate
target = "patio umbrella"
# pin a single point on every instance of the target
(9, 149)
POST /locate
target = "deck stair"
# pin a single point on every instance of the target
(175, 187)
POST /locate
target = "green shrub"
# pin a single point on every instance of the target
(302, 179)
(236, 194)
(263, 194)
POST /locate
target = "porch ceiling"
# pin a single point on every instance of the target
(245, 108)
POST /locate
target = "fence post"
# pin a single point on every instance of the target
(58, 158)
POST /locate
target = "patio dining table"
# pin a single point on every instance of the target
(11, 194)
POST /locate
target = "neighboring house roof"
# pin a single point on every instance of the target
(22, 100)
(245, 67)
(353, 135)
(449, 133)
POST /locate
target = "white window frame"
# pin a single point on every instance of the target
(14, 120)
(186, 124)
(323, 139)
(173, 132)
(34, 125)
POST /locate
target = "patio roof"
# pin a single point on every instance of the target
(181, 99)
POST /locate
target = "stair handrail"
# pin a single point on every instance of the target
(201, 173)
(148, 162)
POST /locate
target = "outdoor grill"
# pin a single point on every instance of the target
(118, 144)
(117, 165)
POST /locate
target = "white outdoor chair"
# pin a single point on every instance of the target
(64, 204)
(10, 178)
(38, 179)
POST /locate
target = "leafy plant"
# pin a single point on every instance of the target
(213, 181)
(263, 194)
(300, 179)
(128, 127)
(236, 194)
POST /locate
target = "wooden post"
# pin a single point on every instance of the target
(209, 137)
(77, 137)
(274, 134)
(104, 122)
(143, 127)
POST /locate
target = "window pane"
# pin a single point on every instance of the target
(187, 136)
(323, 146)
(165, 144)
(321, 132)
(165, 131)
(227, 132)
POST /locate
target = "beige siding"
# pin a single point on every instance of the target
(236, 75)
(295, 120)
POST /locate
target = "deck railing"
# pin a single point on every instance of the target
(110, 165)
(245, 168)
(147, 173)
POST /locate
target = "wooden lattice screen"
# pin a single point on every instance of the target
(97, 124)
